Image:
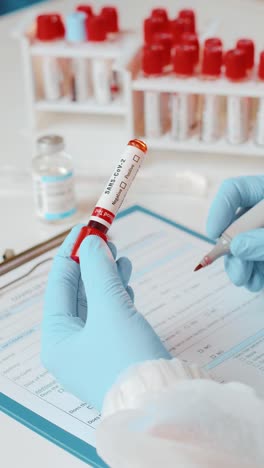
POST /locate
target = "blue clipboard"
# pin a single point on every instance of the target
(28, 418)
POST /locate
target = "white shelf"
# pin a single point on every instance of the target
(221, 87)
(194, 144)
(116, 107)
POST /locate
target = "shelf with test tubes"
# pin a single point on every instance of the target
(78, 63)
(193, 96)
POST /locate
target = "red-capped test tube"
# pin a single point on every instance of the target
(113, 195)
(237, 106)
(211, 70)
(182, 103)
(50, 28)
(259, 131)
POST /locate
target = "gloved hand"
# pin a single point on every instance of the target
(245, 265)
(87, 357)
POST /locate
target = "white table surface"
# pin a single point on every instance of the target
(93, 158)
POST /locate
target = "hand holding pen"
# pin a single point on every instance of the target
(236, 218)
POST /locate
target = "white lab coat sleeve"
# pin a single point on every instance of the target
(166, 413)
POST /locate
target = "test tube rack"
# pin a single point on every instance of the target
(125, 53)
(169, 84)
(119, 50)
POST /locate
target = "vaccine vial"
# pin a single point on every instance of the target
(237, 106)
(53, 182)
(50, 28)
(211, 113)
(182, 108)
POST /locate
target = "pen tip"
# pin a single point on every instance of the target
(198, 267)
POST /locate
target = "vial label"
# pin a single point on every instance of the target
(152, 114)
(210, 118)
(54, 196)
(259, 132)
(237, 119)
(52, 78)
(118, 186)
(181, 109)
(101, 81)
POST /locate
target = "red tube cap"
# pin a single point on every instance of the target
(96, 28)
(235, 64)
(190, 15)
(49, 27)
(153, 59)
(177, 28)
(165, 39)
(160, 13)
(261, 66)
(212, 61)
(249, 47)
(152, 26)
(87, 9)
(192, 39)
(183, 56)
(110, 14)
(213, 42)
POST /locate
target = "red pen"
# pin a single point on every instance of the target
(113, 195)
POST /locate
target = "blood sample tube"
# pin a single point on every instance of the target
(113, 195)
(237, 106)
(85, 8)
(177, 28)
(211, 70)
(152, 26)
(101, 68)
(152, 66)
(181, 103)
(160, 13)
(249, 47)
(259, 130)
(76, 34)
(110, 15)
(213, 42)
(50, 28)
(190, 16)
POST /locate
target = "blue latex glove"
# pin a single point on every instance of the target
(245, 265)
(87, 357)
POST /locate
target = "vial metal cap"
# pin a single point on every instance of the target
(49, 144)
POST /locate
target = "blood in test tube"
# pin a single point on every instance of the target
(113, 194)
(237, 127)
(50, 28)
(192, 39)
(181, 103)
(211, 70)
(259, 130)
(152, 67)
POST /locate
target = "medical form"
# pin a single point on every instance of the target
(200, 318)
